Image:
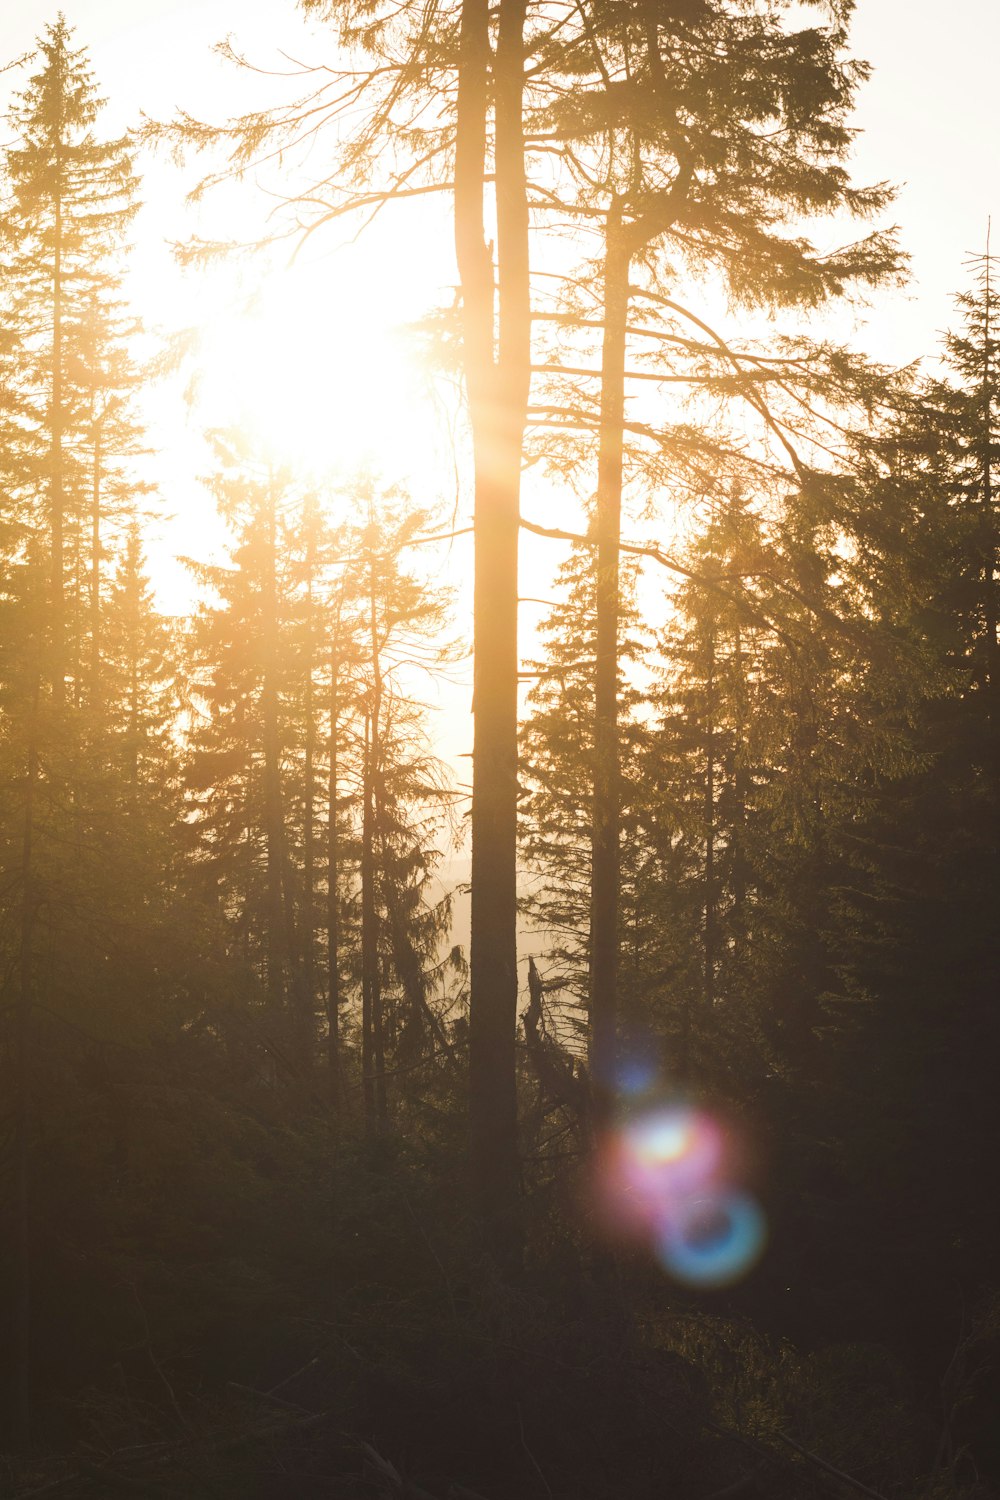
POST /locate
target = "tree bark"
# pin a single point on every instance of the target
(372, 1029)
(497, 391)
(271, 735)
(606, 814)
(710, 892)
(741, 781)
(332, 883)
(22, 1107)
(133, 612)
(56, 496)
(992, 663)
(309, 789)
(95, 569)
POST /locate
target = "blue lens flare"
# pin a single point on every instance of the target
(636, 1076)
(712, 1240)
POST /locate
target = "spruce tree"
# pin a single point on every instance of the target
(71, 197)
(90, 894)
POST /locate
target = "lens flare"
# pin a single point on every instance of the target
(636, 1076)
(665, 1177)
(674, 1149)
(712, 1240)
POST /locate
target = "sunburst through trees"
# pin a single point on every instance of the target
(310, 1181)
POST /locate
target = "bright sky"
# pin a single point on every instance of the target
(318, 361)
(930, 125)
(929, 114)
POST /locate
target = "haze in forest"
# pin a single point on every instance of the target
(499, 751)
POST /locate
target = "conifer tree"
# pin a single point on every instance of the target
(403, 796)
(967, 420)
(91, 889)
(243, 683)
(923, 930)
(557, 747)
(701, 135)
(70, 200)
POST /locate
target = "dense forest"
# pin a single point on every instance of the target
(676, 1179)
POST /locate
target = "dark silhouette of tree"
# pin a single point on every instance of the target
(700, 138)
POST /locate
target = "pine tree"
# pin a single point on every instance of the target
(285, 737)
(90, 891)
(922, 936)
(403, 797)
(700, 134)
(557, 747)
(967, 419)
(245, 696)
(71, 199)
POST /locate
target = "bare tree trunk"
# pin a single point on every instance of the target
(741, 784)
(285, 975)
(309, 792)
(371, 832)
(372, 1031)
(76, 610)
(134, 612)
(56, 497)
(992, 664)
(368, 940)
(332, 882)
(623, 242)
(273, 817)
(95, 570)
(22, 1116)
(497, 392)
(711, 915)
(606, 813)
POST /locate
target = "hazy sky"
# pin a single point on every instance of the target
(928, 123)
(929, 114)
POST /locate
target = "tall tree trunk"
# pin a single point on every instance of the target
(606, 813)
(371, 837)
(22, 1108)
(372, 1037)
(273, 814)
(497, 392)
(992, 663)
(309, 789)
(711, 915)
(133, 608)
(303, 1019)
(286, 982)
(741, 782)
(95, 570)
(623, 242)
(56, 495)
(76, 609)
(332, 883)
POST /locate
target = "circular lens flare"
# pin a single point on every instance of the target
(712, 1240)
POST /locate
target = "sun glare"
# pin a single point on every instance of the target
(319, 378)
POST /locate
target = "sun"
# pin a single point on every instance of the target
(314, 368)
(318, 365)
